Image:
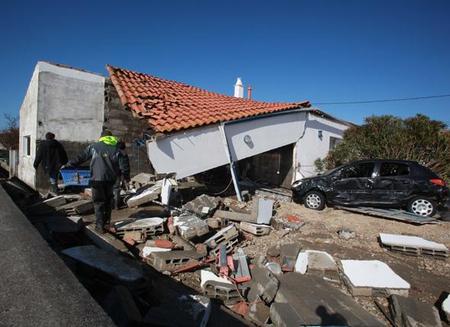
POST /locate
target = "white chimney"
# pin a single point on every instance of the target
(238, 89)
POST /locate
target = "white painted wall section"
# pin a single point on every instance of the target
(70, 103)
(310, 146)
(198, 150)
(188, 153)
(28, 127)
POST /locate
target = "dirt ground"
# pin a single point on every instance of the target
(428, 276)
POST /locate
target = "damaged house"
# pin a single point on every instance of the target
(171, 127)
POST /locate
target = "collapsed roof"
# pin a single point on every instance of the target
(173, 106)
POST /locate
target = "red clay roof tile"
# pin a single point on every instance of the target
(171, 106)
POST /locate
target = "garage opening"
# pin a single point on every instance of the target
(272, 168)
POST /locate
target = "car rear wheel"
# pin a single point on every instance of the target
(422, 206)
(314, 200)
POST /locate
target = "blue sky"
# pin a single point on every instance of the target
(322, 51)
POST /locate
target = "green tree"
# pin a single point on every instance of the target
(418, 138)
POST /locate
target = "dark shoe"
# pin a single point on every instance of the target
(100, 230)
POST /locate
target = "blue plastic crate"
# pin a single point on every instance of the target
(75, 177)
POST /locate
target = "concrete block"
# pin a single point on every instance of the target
(288, 256)
(121, 307)
(141, 180)
(147, 250)
(123, 269)
(190, 226)
(150, 194)
(265, 283)
(202, 205)
(255, 229)
(413, 245)
(218, 287)
(147, 226)
(234, 216)
(225, 234)
(229, 245)
(314, 302)
(214, 223)
(242, 273)
(262, 210)
(171, 260)
(410, 312)
(372, 278)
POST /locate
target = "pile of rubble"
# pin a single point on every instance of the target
(205, 238)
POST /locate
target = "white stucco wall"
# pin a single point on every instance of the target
(64, 101)
(310, 146)
(28, 126)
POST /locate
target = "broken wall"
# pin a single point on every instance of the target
(129, 128)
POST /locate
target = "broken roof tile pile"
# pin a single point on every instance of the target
(172, 106)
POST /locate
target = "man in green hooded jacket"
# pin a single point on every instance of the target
(105, 170)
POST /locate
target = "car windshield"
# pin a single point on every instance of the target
(330, 171)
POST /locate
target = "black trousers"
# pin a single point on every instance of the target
(102, 196)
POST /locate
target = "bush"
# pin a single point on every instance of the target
(387, 137)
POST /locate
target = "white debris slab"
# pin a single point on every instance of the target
(301, 265)
(147, 250)
(208, 276)
(411, 242)
(446, 307)
(373, 274)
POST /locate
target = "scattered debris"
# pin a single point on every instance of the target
(413, 245)
(149, 194)
(372, 278)
(190, 226)
(346, 234)
(146, 226)
(255, 229)
(410, 312)
(396, 214)
(218, 287)
(202, 205)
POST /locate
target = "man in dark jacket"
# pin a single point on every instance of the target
(52, 155)
(124, 179)
(105, 170)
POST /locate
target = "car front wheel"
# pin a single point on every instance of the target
(314, 200)
(422, 206)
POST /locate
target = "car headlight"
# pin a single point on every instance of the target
(297, 183)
